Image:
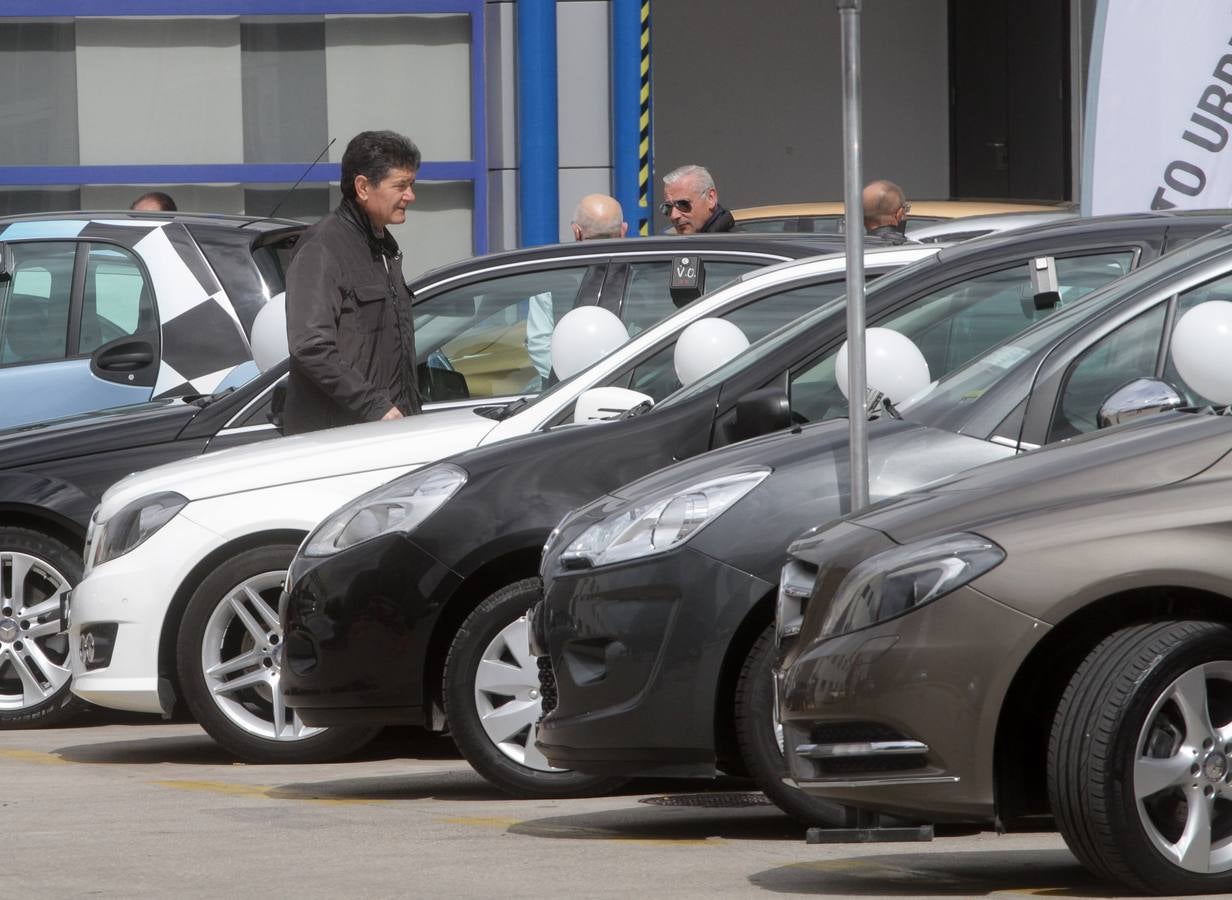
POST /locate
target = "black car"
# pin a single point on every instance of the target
(470, 319)
(661, 657)
(424, 620)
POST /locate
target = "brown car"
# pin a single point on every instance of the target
(1048, 635)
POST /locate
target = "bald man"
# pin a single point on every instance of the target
(597, 216)
(885, 211)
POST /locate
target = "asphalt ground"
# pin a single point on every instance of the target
(127, 806)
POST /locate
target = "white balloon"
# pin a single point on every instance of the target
(894, 364)
(1202, 348)
(582, 337)
(269, 333)
(704, 346)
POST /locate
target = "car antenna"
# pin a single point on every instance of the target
(278, 205)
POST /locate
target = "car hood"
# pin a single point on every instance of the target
(98, 431)
(1135, 457)
(307, 457)
(901, 455)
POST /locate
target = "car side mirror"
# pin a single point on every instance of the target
(687, 281)
(7, 263)
(1140, 397)
(761, 412)
(602, 403)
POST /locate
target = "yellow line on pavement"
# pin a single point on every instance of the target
(483, 821)
(268, 792)
(34, 756)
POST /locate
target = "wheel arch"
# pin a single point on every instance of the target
(726, 745)
(47, 521)
(511, 565)
(179, 601)
(1030, 704)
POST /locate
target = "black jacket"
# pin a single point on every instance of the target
(891, 235)
(720, 220)
(350, 332)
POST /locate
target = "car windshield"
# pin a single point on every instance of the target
(967, 384)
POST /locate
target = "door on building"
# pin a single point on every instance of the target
(1009, 92)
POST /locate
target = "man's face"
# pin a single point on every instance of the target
(701, 205)
(386, 201)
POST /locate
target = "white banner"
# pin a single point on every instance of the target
(1159, 107)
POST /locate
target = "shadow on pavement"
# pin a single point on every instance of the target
(678, 817)
(975, 873)
(455, 783)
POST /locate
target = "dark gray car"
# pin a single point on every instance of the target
(1050, 634)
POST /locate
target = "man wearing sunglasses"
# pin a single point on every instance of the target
(691, 202)
(885, 211)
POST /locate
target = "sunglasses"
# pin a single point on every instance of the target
(685, 206)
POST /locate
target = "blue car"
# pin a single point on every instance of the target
(109, 309)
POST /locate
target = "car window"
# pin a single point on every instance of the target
(116, 299)
(656, 376)
(1132, 351)
(34, 311)
(959, 322)
(495, 335)
(1220, 289)
(648, 301)
(1125, 354)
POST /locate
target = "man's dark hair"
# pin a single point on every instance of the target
(373, 154)
(164, 201)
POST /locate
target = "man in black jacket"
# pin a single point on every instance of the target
(349, 327)
(691, 202)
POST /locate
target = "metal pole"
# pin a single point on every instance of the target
(857, 380)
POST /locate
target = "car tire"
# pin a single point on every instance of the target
(228, 656)
(35, 569)
(493, 719)
(760, 741)
(1138, 758)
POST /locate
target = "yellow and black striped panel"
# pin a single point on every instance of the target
(643, 147)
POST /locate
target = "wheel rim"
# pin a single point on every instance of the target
(1182, 770)
(241, 661)
(34, 663)
(507, 696)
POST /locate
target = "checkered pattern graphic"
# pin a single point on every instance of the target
(202, 340)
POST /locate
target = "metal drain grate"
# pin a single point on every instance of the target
(722, 800)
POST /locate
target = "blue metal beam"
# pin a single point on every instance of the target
(538, 150)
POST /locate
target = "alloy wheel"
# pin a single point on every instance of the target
(241, 659)
(33, 651)
(1181, 777)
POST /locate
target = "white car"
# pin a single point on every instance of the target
(185, 562)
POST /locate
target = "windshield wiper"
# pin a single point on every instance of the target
(206, 399)
(500, 413)
(644, 406)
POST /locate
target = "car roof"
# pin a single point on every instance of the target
(1088, 226)
(790, 246)
(127, 216)
(939, 209)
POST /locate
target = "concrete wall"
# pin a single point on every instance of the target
(753, 91)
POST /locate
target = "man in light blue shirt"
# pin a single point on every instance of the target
(596, 216)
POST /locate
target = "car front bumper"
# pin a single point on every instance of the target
(902, 717)
(638, 652)
(358, 626)
(128, 598)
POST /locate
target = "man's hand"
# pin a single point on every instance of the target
(394, 413)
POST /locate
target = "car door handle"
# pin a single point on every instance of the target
(126, 357)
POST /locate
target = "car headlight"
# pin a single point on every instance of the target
(795, 587)
(399, 505)
(900, 580)
(659, 523)
(131, 526)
